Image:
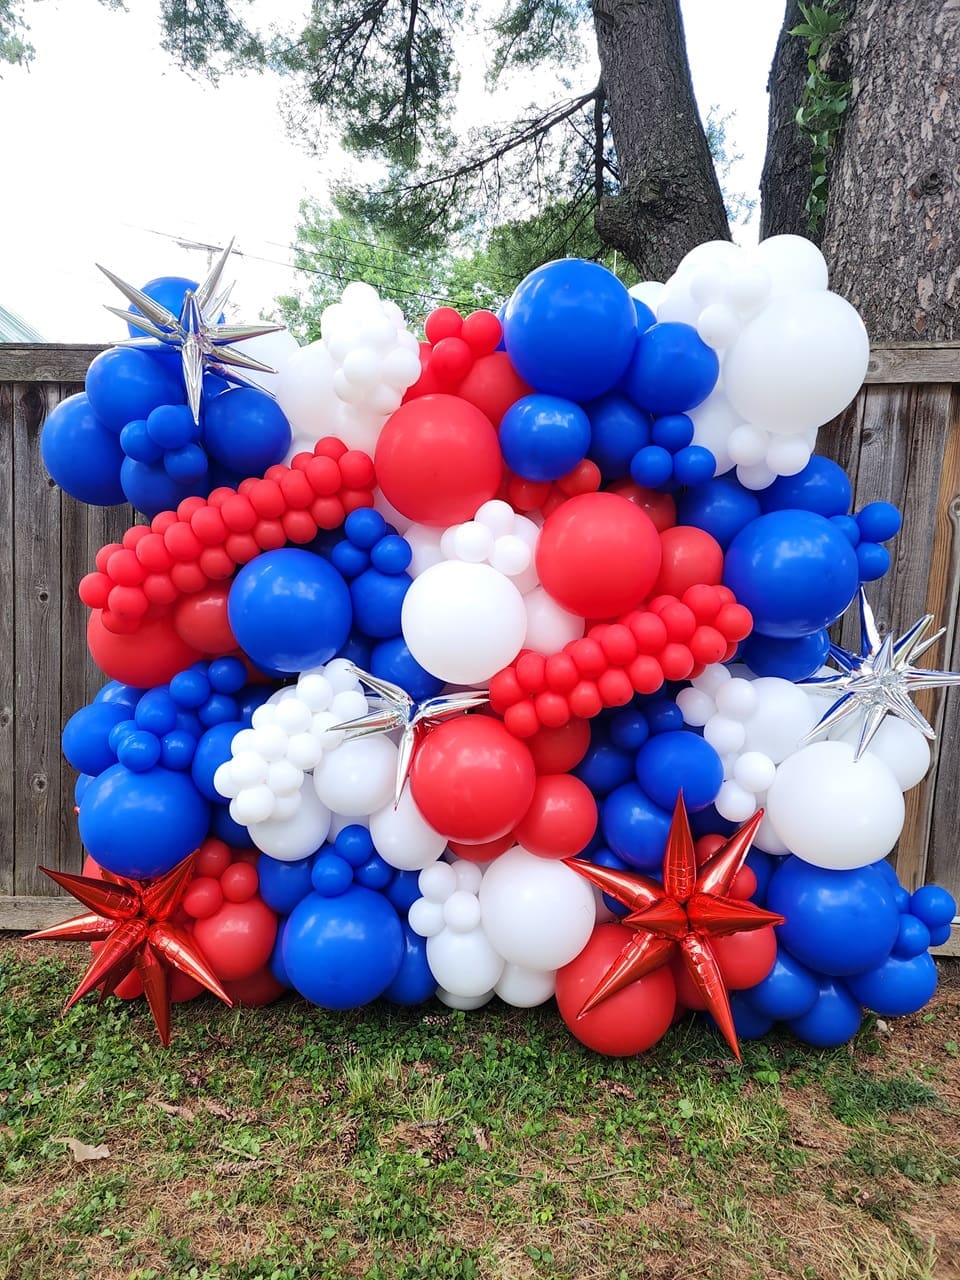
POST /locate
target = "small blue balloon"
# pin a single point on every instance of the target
(374, 873)
(125, 383)
(227, 675)
(629, 729)
(403, 890)
(645, 317)
(834, 1019)
(848, 527)
(354, 844)
(693, 466)
(748, 1023)
(674, 431)
(634, 828)
(177, 749)
(795, 659)
(651, 466)
(721, 507)
(793, 570)
(913, 938)
(662, 715)
(392, 554)
(171, 426)
(289, 610)
(873, 561)
(618, 430)
(604, 857)
(763, 866)
(879, 521)
(139, 751)
(283, 884)
(349, 560)
(342, 952)
(604, 767)
(365, 527)
(224, 828)
(86, 736)
(275, 962)
(80, 788)
(543, 437)
(156, 711)
(188, 465)
(788, 991)
(899, 986)
(940, 934)
(142, 824)
(932, 904)
(392, 660)
(190, 688)
(570, 328)
(82, 456)
(377, 602)
(358, 649)
(679, 761)
(218, 709)
(150, 488)
(114, 691)
(245, 430)
(136, 442)
(330, 875)
(822, 486)
(212, 751)
(414, 982)
(672, 369)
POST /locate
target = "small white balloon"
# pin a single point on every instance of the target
(461, 911)
(791, 263)
(464, 1003)
(756, 476)
(464, 963)
(787, 455)
(748, 445)
(293, 715)
(725, 735)
(247, 769)
(712, 678)
(497, 516)
(284, 778)
(784, 714)
(525, 988)
(253, 804)
(425, 544)
(511, 555)
(735, 803)
(438, 881)
(426, 918)
(737, 699)
(304, 750)
(696, 706)
(357, 778)
(296, 837)
(754, 771)
(469, 875)
(648, 292)
(315, 692)
(403, 837)
(718, 325)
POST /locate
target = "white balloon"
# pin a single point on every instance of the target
(253, 804)
(901, 747)
(788, 455)
(292, 838)
(713, 422)
(461, 911)
(724, 735)
(425, 545)
(784, 714)
(832, 811)
(293, 715)
(305, 391)
(511, 555)
(748, 445)
(403, 837)
(358, 777)
(247, 768)
(463, 622)
(304, 751)
(549, 626)
(734, 802)
(718, 325)
(754, 771)
(273, 349)
(756, 476)
(497, 516)
(648, 292)
(536, 911)
(284, 778)
(466, 1003)
(438, 881)
(712, 678)
(737, 699)
(464, 964)
(525, 988)
(791, 263)
(767, 840)
(468, 874)
(426, 918)
(696, 706)
(316, 692)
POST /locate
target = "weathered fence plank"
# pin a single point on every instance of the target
(7, 647)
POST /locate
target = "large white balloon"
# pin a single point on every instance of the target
(798, 363)
(464, 964)
(792, 263)
(901, 747)
(273, 349)
(463, 622)
(305, 392)
(358, 777)
(783, 713)
(292, 838)
(403, 837)
(833, 811)
(536, 911)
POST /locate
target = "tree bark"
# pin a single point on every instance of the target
(890, 236)
(786, 177)
(669, 198)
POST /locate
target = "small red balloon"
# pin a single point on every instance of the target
(152, 655)
(472, 780)
(438, 460)
(660, 507)
(483, 852)
(598, 555)
(237, 940)
(626, 1023)
(690, 556)
(482, 332)
(213, 858)
(559, 750)
(201, 621)
(746, 958)
(239, 882)
(203, 897)
(493, 385)
(561, 819)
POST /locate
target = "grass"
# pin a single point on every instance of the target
(292, 1144)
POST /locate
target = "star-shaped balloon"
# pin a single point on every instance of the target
(134, 919)
(878, 681)
(203, 342)
(391, 708)
(681, 915)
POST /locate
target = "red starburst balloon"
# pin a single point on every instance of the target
(134, 919)
(683, 914)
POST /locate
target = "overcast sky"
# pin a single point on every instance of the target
(113, 155)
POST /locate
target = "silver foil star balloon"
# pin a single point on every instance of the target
(196, 333)
(392, 708)
(878, 682)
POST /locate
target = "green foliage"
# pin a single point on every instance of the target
(825, 98)
(14, 47)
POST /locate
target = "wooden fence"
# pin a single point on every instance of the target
(899, 441)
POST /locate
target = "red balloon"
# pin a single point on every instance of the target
(628, 1022)
(660, 507)
(260, 988)
(562, 817)
(201, 621)
(203, 897)
(237, 940)
(690, 556)
(182, 986)
(746, 958)
(482, 332)
(438, 460)
(493, 385)
(213, 858)
(152, 655)
(240, 882)
(598, 555)
(559, 750)
(472, 780)
(485, 852)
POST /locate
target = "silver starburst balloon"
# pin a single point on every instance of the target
(203, 342)
(879, 681)
(392, 708)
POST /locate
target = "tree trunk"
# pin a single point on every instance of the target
(669, 198)
(786, 177)
(890, 237)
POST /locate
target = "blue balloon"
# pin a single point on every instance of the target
(651, 466)
(414, 982)
(570, 328)
(142, 824)
(674, 431)
(150, 488)
(139, 751)
(618, 429)
(679, 761)
(693, 465)
(169, 292)
(932, 904)
(171, 426)
(645, 317)
(822, 486)
(672, 369)
(834, 1019)
(330, 875)
(604, 857)
(177, 749)
(629, 729)
(82, 456)
(365, 527)
(283, 884)
(80, 788)
(873, 561)
(879, 521)
(125, 384)
(403, 890)
(721, 507)
(913, 937)
(342, 952)
(212, 751)
(224, 828)
(634, 828)
(748, 1023)
(837, 922)
(377, 602)
(156, 711)
(662, 715)
(794, 659)
(544, 437)
(788, 991)
(604, 767)
(793, 570)
(289, 610)
(114, 691)
(763, 866)
(357, 649)
(245, 430)
(276, 958)
(393, 661)
(86, 736)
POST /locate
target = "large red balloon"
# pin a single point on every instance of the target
(690, 556)
(472, 780)
(151, 655)
(598, 555)
(438, 460)
(559, 750)
(485, 852)
(628, 1022)
(660, 507)
(493, 385)
(562, 817)
(201, 621)
(237, 940)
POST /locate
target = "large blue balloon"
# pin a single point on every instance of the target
(793, 660)
(679, 761)
(544, 437)
(898, 986)
(378, 601)
(169, 292)
(414, 982)
(618, 430)
(86, 736)
(721, 507)
(393, 661)
(82, 456)
(345, 951)
(142, 824)
(788, 991)
(634, 828)
(837, 922)
(793, 570)
(672, 369)
(604, 767)
(834, 1019)
(570, 329)
(245, 429)
(125, 383)
(150, 488)
(289, 610)
(821, 486)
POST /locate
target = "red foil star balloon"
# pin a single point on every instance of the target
(134, 919)
(686, 911)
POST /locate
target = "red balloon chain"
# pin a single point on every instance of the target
(205, 540)
(670, 639)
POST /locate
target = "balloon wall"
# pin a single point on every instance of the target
(498, 664)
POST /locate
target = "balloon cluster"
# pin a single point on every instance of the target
(504, 608)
